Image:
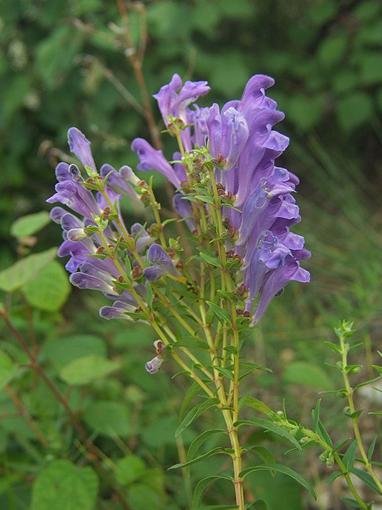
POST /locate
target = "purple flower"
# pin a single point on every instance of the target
(153, 366)
(152, 159)
(121, 182)
(160, 263)
(184, 209)
(174, 98)
(119, 310)
(80, 146)
(241, 139)
(227, 135)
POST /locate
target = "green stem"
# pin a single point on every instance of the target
(354, 415)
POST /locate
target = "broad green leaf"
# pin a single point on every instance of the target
(202, 485)
(214, 451)
(200, 439)
(62, 350)
(129, 469)
(30, 224)
(193, 414)
(306, 374)
(50, 289)
(25, 270)
(271, 427)
(87, 369)
(63, 486)
(108, 418)
(279, 468)
(7, 369)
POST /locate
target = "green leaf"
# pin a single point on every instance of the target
(323, 433)
(212, 261)
(199, 440)
(62, 350)
(220, 313)
(256, 404)
(50, 289)
(214, 451)
(201, 486)
(7, 369)
(108, 418)
(366, 478)
(264, 454)
(316, 415)
(194, 413)
(349, 456)
(371, 448)
(29, 224)
(62, 485)
(225, 372)
(312, 376)
(25, 270)
(271, 427)
(87, 369)
(129, 469)
(279, 468)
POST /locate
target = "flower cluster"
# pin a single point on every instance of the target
(238, 146)
(243, 146)
(103, 255)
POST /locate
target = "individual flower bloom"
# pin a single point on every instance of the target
(153, 366)
(273, 263)
(254, 97)
(152, 159)
(141, 236)
(118, 310)
(269, 201)
(77, 198)
(80, 146)
(89, 281)
(121, 182)
(160, 263)
(78, 251)
(199, 118)
(227, 135)
(184, 209)
(276, 280)
(257, 158)
(174, 98)
(57, 213)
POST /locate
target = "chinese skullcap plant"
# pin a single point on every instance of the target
(199, 291)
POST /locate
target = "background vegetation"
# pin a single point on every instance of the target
(65, 62)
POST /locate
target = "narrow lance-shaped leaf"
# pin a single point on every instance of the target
(194, 413)
(279, 468)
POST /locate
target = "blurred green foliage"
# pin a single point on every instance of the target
(63, 63)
